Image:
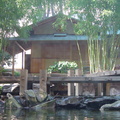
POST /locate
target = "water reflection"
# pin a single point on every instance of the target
(58, 114)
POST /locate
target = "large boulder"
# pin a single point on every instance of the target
(113, 106)
(96, 103)
(35, 97)
(12, 103)
(40, 95)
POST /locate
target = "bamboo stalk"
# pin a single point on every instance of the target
(79, 51)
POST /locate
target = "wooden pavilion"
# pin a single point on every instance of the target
(48, 45)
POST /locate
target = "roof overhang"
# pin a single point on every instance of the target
(53, 37)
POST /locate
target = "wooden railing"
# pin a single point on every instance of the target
(106, 78)
(9, 79)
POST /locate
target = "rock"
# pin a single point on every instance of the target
(2, 103)
(87, 93)
(71, 101)
(113, 106)
(40, 96)
(35, 96)
(22, 101)
(30, 95)
(11, 102)
(98, 102)
(114, 91)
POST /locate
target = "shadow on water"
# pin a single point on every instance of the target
(59, 114)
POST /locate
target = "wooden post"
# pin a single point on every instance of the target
(43, 80)
(23, 59)
(98, 89)
(71, 89)
(108, 88)
(23, 81)
(78, 72)
(104, 89)
(13, 60)
(78, 90)
(78, 87)
(13, 65)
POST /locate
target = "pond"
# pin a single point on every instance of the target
(58, 114)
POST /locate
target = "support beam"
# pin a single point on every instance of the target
(23, 81)
(23, 60)
(104, 89)
(13, 60)
(19, 46)
(78, 87)
(23, 54)
(99, 89)
(108, 88)
(71, 54)
(71, 89)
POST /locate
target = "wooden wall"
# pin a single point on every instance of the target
(44, 54)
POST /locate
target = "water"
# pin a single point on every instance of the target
(58, 114)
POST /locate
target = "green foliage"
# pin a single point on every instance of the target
(1, 70)
(16, 73)
(15, 16)
(62, 67)
(99, 19)
(8, 72)
(61, 23)
(5, 58)
(15, 13)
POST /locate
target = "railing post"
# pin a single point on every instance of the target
(43, 80)
(23, 81)
(78, 87)
(71, 89)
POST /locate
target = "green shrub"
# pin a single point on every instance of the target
(62, 67)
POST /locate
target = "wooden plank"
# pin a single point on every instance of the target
(16, 79)
(9, 79)
(105, 73)
(118, 72)
(85, 79)
(37, 64)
